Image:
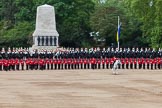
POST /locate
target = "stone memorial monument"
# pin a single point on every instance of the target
(45, 34)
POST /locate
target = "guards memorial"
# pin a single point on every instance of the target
(45, 35)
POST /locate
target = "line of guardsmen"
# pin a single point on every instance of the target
(23, 59)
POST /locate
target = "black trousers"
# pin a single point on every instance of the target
(151, 66)
(88, 65)
(77, 66)
(13, 67)
(143, 66)
(65, 66)
(0, 67)
(41, 67)
(155, 65)
(158, 66)
(140, 66)
(62, 66)
(72, 66)
(6, 68)
(17, 67)
(131, 66)
(81, 66)
(107, 66)
(48, 66)
(148, 66)
(127, 66)
(99, 66)
(27, 67)
(92, 66)
(68, 66)
(123, 67)
(135, 66)
(55, 66)
(103, 66)
(22, 67)
(85, 66)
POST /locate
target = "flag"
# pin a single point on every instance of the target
(118, 34)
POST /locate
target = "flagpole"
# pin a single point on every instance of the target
(118, 27)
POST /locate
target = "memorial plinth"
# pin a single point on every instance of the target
(45, 35)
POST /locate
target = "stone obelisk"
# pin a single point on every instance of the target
(45, 35)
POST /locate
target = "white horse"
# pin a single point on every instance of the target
(116, 65)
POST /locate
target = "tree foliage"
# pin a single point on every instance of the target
(105, 20)
(72, 17)
(149, 14)
(75, 19)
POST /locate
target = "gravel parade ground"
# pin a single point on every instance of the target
(81, 89)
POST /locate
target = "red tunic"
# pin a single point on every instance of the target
(107, 61)
(5, 63)
(1, 62)
(21, 62)
(85, 61)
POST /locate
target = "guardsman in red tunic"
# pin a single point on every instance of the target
(22, 64)
(123, 63)
(92, 63)
(48, 63)
(65, 63)
(131, 63)
(62, 63)
(55, 63)
(5, 65)
(161, 63)
(36, 64)
(31, 64)
(127, 63)
(11, 64)
(17, 64)
(139, 63)
(143, 63)
(1, 64)
(81, 63)
(51, 63)
(135, 63)
(41, 64)
(151, 62)
(59, 63)
(111, 62)
(107, 63)
(158, 63)
(88, 63)
(27, 64)
(95, 63)
(99, 63)
(69, 63)
(103, 63)
(85, 63)
(155, 62)
(74, 63)
(44, 64)
(147, 63)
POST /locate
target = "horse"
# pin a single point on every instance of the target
(116, 65)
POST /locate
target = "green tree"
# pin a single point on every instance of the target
(149, 14)
(17, 36)
(72, 17)
(73, 21)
